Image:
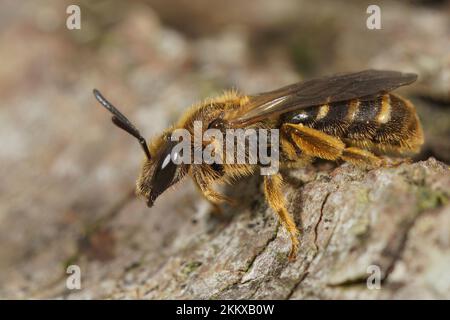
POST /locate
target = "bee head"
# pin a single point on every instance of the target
(159, 171)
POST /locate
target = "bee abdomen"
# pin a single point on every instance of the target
(381, 122)
(402, 128)
(388, 122)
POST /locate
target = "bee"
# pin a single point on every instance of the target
(350, 117)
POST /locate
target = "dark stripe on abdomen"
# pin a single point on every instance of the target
(364, 124)
(392, 132)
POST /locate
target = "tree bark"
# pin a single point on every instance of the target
(357, 227)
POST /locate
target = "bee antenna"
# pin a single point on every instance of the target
(122, 122)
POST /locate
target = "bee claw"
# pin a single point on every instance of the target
(294, 248)
(293, 254)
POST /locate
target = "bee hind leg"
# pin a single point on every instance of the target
(314, 143)
(275, 199)
(365, 158)
(361, 157)
(393, 163)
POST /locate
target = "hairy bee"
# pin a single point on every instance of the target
(352, 117)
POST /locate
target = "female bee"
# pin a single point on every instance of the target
(352, 117)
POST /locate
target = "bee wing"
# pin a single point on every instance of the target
(340, 87)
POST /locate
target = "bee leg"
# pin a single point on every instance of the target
(210, 194)
(313, 142)
(393, 163)
(216, 198)
(215, 206)
(361, 157)
(275, 199)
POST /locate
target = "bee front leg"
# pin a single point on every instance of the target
(275, 199)
(210, 194)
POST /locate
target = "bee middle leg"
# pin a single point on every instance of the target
(275, 199)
